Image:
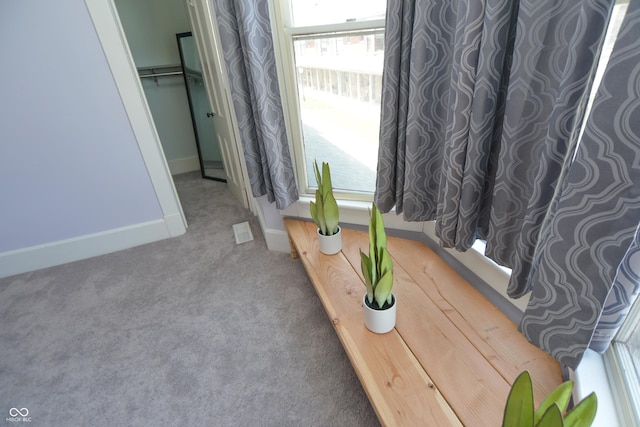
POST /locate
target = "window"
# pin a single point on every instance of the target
(623, 364)
(333, 57)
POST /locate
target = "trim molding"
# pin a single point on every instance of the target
(592, 375)
(173, 223)
(116, 50)
(183, 165)
(277, 240)
(63, 251)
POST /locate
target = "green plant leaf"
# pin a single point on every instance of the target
(552, 417)
(327, 187)
(372, 238)
(372, 252)
(317, 174)
(365, 266)
(518, 411)
(383, 288)
(583, 414)
(560, 396)
(314, 212)
(320, 211)
(381, 237)
(331, 213)
(386, 262)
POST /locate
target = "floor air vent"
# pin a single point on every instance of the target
(242, 232)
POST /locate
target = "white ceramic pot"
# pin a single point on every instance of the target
(379, 321)
(330, 245)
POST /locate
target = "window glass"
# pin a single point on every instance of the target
(633, 345)
(322, 12)
(339, 87)
(624, 367)
(335, 72)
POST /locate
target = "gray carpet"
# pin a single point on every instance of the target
(193, 331)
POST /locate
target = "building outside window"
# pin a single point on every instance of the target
(336, 51)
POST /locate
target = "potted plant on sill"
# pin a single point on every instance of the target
(519, 409)
(377, 268)
(325, 212)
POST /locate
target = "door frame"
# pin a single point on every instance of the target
(213, 69)
(106, 21)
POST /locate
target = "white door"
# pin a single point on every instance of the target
(207, 41)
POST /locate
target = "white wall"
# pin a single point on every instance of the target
(70, 165)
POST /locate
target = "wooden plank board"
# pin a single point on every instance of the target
(399, 389)
(453, 355)
(490, 330)
(467, 380)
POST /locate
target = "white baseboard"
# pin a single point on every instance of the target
(175, 224)
(69, 250)
(277, 240)
(184, 165)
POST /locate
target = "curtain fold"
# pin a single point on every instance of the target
(623, 293)
(415, 85)
(588, 242)
(482, 57)
(247, 44)
(557, 46)
(442, 91)
(463, 131)
(482, 103)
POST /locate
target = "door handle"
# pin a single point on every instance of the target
(211, 114)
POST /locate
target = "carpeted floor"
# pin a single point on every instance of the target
(193, 331)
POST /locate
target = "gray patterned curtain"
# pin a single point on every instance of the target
(623, 293)
(557, 46)
(479, 132)
(445, 70)
(247, 44)
(448, 151)
(587, 264)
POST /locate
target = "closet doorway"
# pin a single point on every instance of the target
(150, 29)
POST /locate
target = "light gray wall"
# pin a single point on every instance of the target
(69, 163)
(151, 27)
(271, 215)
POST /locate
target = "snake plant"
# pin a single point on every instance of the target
(325, 209)
(519, 410)
(377, 267)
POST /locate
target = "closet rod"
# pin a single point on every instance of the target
(160, 71)
(175, 73)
